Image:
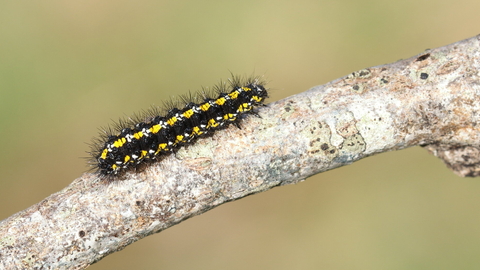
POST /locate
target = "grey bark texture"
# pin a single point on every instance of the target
(430, 100)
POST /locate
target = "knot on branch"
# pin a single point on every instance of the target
(463, 160)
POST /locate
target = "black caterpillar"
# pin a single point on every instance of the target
(147, 138)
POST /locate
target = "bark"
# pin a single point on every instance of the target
(429, 100)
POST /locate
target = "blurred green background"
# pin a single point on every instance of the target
(69, 67)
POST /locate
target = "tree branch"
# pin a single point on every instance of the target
(429, 100)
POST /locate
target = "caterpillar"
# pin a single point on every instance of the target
(152, 135)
